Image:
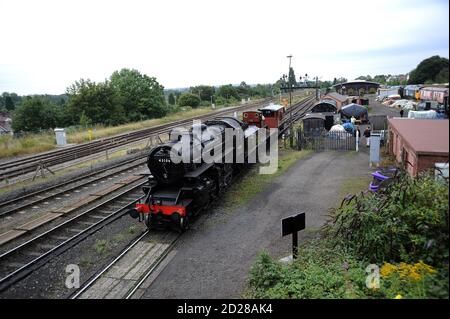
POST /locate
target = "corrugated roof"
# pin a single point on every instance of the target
(272, 107)
(429, 88)
(424, 136)
(356, 82)
(337, 96)
(326, 101)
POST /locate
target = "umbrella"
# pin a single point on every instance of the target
(355, 110)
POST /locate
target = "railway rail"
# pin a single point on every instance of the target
(22, 202)
(125, 265)
(29, 164)
(23, 259)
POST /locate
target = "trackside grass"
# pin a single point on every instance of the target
(254, 183)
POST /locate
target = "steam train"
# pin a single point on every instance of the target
(177, 191)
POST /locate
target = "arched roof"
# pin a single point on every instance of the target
(357, 82)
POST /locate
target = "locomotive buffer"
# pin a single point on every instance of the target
(291, 225)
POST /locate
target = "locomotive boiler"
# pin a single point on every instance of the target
(191, 170)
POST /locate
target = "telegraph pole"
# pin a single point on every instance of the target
(291, 137)
(290, 85)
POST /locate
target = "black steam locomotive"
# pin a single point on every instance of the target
(176, 191)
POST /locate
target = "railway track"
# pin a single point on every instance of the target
(128, 272)
(23, 202)
(296, 112)
(20, 261)
(29, 164)
(23, 259)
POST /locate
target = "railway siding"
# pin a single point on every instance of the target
(67, 209)
(129, 272)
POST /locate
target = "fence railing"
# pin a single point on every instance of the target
(324, 141)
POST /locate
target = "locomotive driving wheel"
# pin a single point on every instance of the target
(184, 223)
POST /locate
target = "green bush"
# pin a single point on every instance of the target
(403, 229)
(408, 221)
(326, 271)
(189, 99)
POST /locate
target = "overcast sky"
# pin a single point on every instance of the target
(47, 45)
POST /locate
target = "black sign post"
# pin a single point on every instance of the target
(291, 225)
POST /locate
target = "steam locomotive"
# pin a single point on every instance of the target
(177, 191)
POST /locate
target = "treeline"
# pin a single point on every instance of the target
(204, 95)
(434, 69)
(126, 96)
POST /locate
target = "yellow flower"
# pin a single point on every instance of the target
(387, 269)
(398, 296)
(414, 272)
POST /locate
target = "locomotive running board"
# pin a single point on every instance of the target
(199, 170)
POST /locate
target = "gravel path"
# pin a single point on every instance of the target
(215, 255)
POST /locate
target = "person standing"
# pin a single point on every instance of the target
(367, 135)
(401, 112)
(353, 120)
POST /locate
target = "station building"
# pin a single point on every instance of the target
(357, 87)
(418, 144)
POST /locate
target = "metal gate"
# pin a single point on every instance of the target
(326, 141)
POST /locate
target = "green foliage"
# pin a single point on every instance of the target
(140, 96)
(405, 223)
(9, 103)
(99, 102)
(433, 69)
(292, 81)
(408, 221)
(35, 114)
(205, 92)
(189, 99)
(171, 98)
(244, 90)
(442, 76)
(227, 91)
(325, 271)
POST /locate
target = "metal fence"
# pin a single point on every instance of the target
(326, 141)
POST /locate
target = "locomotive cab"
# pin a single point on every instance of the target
(273, 114)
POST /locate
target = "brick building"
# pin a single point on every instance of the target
(418, 143)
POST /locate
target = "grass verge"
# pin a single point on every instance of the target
(254, 183)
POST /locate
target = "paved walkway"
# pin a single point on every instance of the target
(215, 256)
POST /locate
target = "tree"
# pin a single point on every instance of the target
(99, 102)
(262, 90)
(35, 114)
(244, 90)
(9, 103)
(381, 78)
(228, 91)
(171, 98)
(204, 92)
(189, 99)
(429, 70)
(140, 96)
(442, 76)
(291, 78)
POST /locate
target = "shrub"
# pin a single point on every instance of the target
(189, 99)
(408, 221)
